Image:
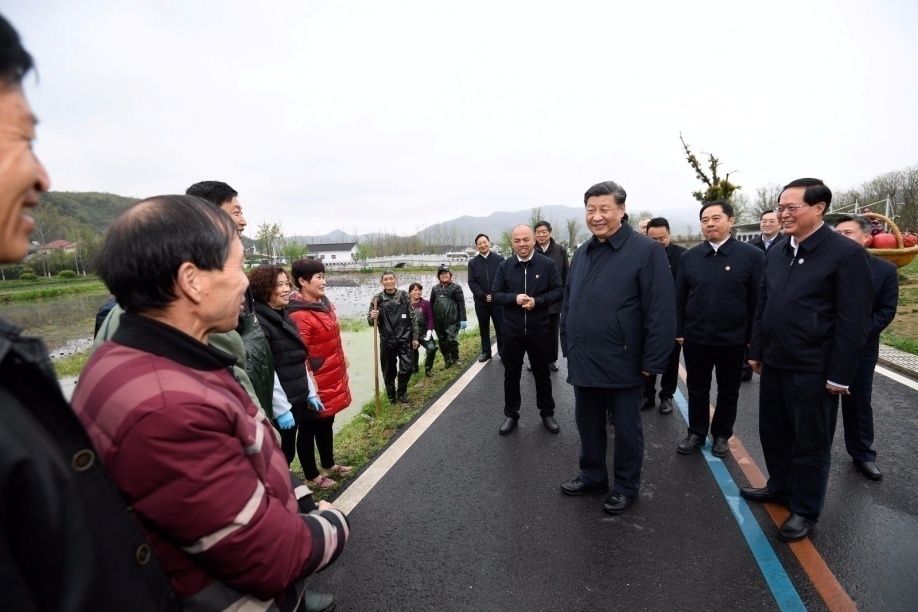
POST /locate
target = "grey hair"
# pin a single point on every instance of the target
(606, 188)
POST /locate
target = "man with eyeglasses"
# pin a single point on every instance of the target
(857, 413)
(658, 230)
(716, 292)
(809, 328)
(771, 235)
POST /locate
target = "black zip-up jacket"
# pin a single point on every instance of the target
(289, 356)
(482, 271)
(717, 292)
(619, 315)
(557, 254)
(538, 278)
(398, 321)
(813, 313)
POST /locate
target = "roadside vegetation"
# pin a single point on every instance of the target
(71, 365)
(903, 331)
(368, 433)
(43, 287)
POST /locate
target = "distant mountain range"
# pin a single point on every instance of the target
(463, 230)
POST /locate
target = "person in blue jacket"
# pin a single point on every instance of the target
(618, 325)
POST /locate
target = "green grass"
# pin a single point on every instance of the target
(70, 365)
(900, 342)
(353, 324)
(360, 439)
(38, 289)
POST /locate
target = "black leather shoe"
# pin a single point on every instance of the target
(617, 503)
(484, 357)
(576, 487)
(795, 528)
(763, 496)
(403, 399)
(747, 376)
(690, 444)
(648, 403)
(507, 426)
(551, 424)
(553, 366)
(869, 469)
(317, 602)
(720, 448)
(666, 405)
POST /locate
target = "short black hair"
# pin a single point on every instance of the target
(766, 212)
(305, 268)
(15, 61)
(479, 236)
(388, 273)
(658, 222)
(215, 192)
(147, 244)
(544, 224)
(727, 206)
(414, 286)
(862, 221)
(815, 191)
(606, 188)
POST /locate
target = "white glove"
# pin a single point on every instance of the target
(429, 335)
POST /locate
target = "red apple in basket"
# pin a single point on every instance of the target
(910, 240)
(885, 241)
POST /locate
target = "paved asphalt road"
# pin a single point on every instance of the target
(470, 520)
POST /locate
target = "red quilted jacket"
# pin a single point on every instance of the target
(318, 325)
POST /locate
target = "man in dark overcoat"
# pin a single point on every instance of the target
(547, 246)
(617, 328)
(482, 270)
(810, 325)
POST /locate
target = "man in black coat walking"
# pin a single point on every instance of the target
(482, 270)
(770, 236)
(810, 326)
(617, 328)
(857, 411)
(716, 292)
(526, 285)
(658, 229)
(547, 246)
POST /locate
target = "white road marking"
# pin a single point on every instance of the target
(896, 377)
(373, 474)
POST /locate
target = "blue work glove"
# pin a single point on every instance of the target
(462, 325)
(285, 421)
(316, 404)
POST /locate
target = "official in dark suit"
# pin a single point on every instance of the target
(857, 412)
(547, 246)
(810, 326)
(658, 229)
(617, 327)
(526, 285)
(716, 292)
(770, 236)
(482, 270)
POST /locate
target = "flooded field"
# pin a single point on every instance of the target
(66, 323)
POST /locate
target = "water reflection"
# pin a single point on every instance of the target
(59, 320)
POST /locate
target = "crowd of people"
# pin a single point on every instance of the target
(170, 474)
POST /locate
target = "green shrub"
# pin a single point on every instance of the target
(66, 274)
(28, 276)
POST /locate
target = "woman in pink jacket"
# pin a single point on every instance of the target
(317, 322)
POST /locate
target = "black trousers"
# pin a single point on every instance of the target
(669, 380)
(554, 331)
(797, 418)
(486, 312)
(700, 360)
(535, 344)
(304, 438)
(590, 407)
(857, 413)
(396, 360)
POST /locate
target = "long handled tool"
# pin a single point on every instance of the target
(376, 351)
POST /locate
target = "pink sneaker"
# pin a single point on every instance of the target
(340, 470)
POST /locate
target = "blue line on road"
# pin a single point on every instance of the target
(778, 581)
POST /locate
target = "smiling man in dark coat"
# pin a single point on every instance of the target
(810, 325)
(617, 327)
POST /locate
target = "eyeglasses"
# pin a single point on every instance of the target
(779, 210)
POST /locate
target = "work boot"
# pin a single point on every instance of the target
(403, 398)
(428, 372)
(390, 392)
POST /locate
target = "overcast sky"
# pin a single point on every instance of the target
(369, 116)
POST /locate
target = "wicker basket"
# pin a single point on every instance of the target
(901, 256)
